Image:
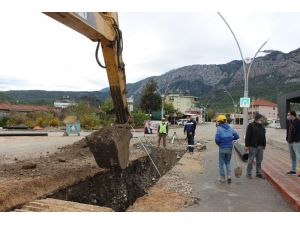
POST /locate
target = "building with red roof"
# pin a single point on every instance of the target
(7, 108)
(265, 107)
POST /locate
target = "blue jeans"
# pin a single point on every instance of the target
(225, 160)
(294, 149)
(257, 153)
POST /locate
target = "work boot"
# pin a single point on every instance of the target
(222, 179)
(292, 173)
(260, 176)
(229, 180)
(249, 176)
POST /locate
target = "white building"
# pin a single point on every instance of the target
(182, 103)
(64, 102)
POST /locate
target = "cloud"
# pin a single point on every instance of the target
(47, 55)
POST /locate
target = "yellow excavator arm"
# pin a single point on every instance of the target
(103, 28)
(110, 145)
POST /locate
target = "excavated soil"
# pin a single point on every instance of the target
(110, 146)
(27, 180)
(73, 174)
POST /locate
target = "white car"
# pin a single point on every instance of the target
(274, 124)
(182, 122)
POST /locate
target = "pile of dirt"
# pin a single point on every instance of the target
(27, 180)
(110, 146)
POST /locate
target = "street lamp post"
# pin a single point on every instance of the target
(246, 73)
(162, 105)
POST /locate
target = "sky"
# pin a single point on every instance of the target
(37, 52)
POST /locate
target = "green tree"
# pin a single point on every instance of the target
(169, 108)
(150, 100)
(108, 107)
(210, 115)
(89, 121)
(80, 109)
(139, 118)
(3, 121)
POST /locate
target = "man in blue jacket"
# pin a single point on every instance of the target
(224, 137)
(189, 130)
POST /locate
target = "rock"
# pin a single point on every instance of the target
(61, 159)
(29, 165)
(47, 152)
(16, 159)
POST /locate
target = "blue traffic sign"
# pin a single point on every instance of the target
(244, 102)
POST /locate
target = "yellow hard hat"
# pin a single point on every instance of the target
(221, 118)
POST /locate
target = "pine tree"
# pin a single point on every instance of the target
(150, 100)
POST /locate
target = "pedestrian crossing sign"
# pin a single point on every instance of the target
(244, 102)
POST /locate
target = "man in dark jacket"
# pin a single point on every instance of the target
(255, 143)
(189, 129)
(293, 139)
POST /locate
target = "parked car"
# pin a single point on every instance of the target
(274, 124)
(182, 122)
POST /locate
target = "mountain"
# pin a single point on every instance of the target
(271, 75)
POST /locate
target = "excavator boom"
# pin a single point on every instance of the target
(110, 146)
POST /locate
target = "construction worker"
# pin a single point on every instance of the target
(162, 132)
(189, 130)
(224, 137)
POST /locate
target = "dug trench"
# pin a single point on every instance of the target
(72, 174)
(118, 189)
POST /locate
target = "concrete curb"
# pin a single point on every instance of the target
(283, 191)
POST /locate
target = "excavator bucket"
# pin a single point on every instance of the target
(110, 146)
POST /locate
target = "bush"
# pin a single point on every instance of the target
(32, 119)
(3, 121)
(89, 121)
(54, 122)
(139, 118)
(16, 119)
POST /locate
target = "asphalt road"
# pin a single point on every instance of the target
(242, 195)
